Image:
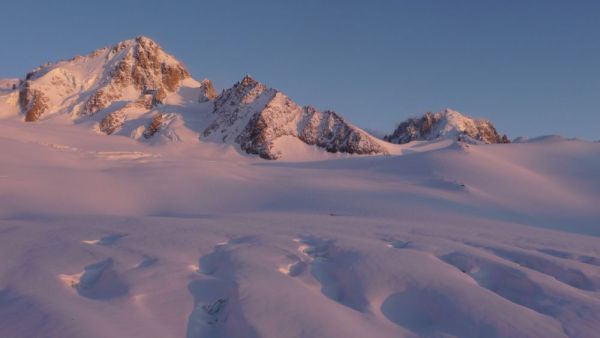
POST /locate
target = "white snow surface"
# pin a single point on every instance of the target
(105, 236)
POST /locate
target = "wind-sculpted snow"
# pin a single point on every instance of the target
(108, 236)
(519, 286)
(431, 313)
(216, 310)
(101, 281)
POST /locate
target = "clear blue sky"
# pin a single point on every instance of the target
(532, 67)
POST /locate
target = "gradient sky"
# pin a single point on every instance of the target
(532, 67)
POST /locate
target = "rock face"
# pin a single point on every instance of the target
(86, 84)
(446, 124)
(330, 131)
(254, 116)
(207, 91)
(113, 121)
(33, 102)
(122, 87)
(154, 126)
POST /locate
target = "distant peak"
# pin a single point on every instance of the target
(248, 81)
(447, 123)
(207, 91)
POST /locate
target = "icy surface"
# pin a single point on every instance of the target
(111, 237)
(130, 207)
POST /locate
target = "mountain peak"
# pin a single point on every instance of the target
(87, 84)
(248, 81)
(255, 117)
(446, 124)
(207, 91)
(143, 39)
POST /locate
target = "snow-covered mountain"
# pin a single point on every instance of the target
(113, 90)
(106, 232)
(132, 70)
(135, 88)
(255, 117)
(446, 124)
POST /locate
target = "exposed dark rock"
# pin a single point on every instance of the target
(254, 116)
(154, 126)
(446, 124)
(145, 67)
(99, 100)
(330, 131)
(33, 102)
(113, 121)
(207, 91)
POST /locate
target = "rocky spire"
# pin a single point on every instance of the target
(207, 91)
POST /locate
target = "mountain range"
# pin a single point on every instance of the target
(136, 89)
(135, 202)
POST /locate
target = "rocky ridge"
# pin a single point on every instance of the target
(446, 124)
(254, 116)
(87, 84)
(136, 89)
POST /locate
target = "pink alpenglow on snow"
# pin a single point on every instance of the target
(136, 201)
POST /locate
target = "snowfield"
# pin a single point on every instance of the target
(105, 236)
(135, 204)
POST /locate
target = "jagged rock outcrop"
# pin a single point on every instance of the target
(207, 91)
(33, 102)
(134, 79)
(116, 119)
(86, 84)
(144, 66)
(154, 126)
(330, 131)
(113, 121)
(234, 107)
(254, 116)
(446, 124)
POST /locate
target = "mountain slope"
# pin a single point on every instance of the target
(254, 116)
(87, 84)
(136, 89)
(124, 89)
(446, 124)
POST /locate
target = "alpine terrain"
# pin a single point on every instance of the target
(138, 201)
